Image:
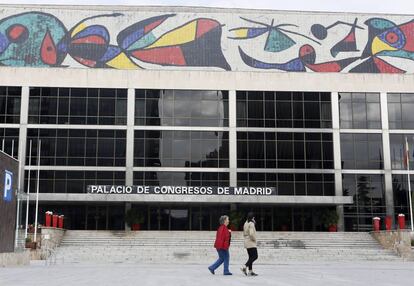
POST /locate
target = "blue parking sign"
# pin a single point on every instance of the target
(8, 183)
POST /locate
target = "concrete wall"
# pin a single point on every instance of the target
(399, 241)
(14, 259)
(205, 39)
(8, 203)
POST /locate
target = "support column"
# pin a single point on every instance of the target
(130, 137)
(24, 113)
(129, 175)
(389, 196)
(336, 136)
(232, 138)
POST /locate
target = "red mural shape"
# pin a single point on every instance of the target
(48, 51)
(17, 33)
(162, 56)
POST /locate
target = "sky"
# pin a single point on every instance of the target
(370, 6)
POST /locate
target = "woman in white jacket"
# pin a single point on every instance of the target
(250, 243)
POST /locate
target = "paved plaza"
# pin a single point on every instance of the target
(361, 273)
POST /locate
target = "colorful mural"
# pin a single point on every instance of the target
(221, 41)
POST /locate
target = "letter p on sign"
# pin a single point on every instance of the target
(8, 182)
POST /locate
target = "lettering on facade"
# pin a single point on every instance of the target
(181, 190)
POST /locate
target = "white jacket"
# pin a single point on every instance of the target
(249, 234)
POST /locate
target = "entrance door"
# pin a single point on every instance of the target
(179, 219)
(96, 217)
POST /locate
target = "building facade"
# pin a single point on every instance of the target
(316, 105)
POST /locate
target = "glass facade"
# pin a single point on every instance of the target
(291, 184)
(182, 179)
(368, 192)
(284, 150)
(361, 151)
(360, 110)
(400, 110)
(68, 182)
(401, 193)
(102, 106)
(181, 107)
(181, 149)
(9, 141)
(10, 104)
(283, 109)
(397, 146)
(78, 147)
(246, 138)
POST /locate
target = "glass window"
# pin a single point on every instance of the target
(400, 107)
(360, 110)
(361, 151)
(181, 107)
(9, 141)
(181, 179)
(10, 99)
(290, 184)
(284, 150)
(397, 148)
(181, 149)
(368, 193)
(283, 109)
(72, 181)
(401, 194)
(78, 147)
(77, 106)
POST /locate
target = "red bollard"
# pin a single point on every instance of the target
(55, 221)
(48, 221)
(401, 221)
(61, 221)
(376, 223)
(388, 223)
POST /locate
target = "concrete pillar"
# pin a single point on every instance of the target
(337, 157)
(389, 196)
(24, 111)
(232, 138)
(129, 175)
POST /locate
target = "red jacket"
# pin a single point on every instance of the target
(222, 238)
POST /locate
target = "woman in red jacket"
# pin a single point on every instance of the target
(222, 245)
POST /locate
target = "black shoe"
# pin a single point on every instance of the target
(251, 273)
(244, 270)
(211, 270)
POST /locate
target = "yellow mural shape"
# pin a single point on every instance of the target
(78, 28)
(379, 46)
(241, 33)
(179, 36)
(121, 61)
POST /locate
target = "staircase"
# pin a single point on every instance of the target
(197, 247)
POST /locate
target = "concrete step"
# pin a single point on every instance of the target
(196, 247)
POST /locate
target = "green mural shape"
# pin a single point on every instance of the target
(23, 36)
(277, 41)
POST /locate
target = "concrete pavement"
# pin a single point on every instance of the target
(309, 274)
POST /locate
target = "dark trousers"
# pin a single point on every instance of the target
(252, 257)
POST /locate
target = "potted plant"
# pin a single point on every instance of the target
(330, 220)
(134, 218)
(236, 218)
(29, 243)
